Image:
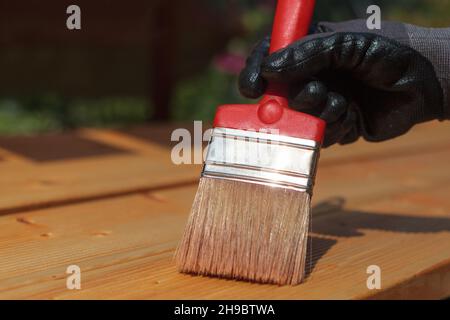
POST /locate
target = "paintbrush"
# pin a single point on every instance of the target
(250, 217)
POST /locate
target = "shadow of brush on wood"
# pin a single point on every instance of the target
(343, 223)
(317, 247)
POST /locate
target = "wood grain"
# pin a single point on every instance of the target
(139, 166)
(145, 164)
(127, 253)
(369, 209)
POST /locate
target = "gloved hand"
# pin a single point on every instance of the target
(371, 84)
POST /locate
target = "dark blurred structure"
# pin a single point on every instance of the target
(133, 48)
(162, 52)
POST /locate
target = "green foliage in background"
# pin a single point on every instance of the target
(50, 112)
(198, 98)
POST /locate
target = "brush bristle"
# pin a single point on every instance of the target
(246, 231)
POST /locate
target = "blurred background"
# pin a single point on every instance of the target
(140, 61)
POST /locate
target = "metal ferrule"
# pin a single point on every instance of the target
(263, 158)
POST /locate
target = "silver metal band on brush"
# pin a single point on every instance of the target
(263, 158)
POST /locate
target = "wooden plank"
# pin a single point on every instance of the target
(130, 255)
(425, 137)
(142, 162)
(380, 179)
(91, 169)
(392, 212)
(73, 181)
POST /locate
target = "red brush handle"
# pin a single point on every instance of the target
(292, 20)
(272, 113)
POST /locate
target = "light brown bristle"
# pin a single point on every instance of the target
(246, 231)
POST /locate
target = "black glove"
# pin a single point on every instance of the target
(361, 83)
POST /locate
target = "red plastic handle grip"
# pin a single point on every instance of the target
(292, 20)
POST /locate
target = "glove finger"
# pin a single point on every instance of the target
(349, 130)
(342, 131)
(311, 98)
(335, 107)
(332, 134)
(316, 53)
(350, 137)
(375, 60)
(251, 83)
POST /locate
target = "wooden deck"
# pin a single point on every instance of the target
(112, 203)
